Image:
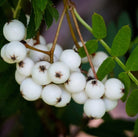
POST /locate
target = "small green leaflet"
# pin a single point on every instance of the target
(132, 62)
(98, 26)
(126, 80)
(91, 46)
(106, 67)
(39, 7)
(132, 103)
(136, 128)
(121, 41)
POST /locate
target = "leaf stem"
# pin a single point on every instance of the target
(105, 45)
(16, 11)
(57, 33)
(79, 33)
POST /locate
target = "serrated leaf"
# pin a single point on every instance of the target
(126, 80)
(39, 7)
(121, 41)
(132, 103)
(105, 68)
(98, 25)
(136, 128)
(91, 46)
(132, 62)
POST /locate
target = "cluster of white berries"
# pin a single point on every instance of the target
(62, 80)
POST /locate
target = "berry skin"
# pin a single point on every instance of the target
(98, 58)
(19, 77)
(65, 98)
(38, 56)
(30, 90)
(57, 52)
(14, 30)
(25, 66)
(58, 72)
(80, 97)
(94, 108)
(42, 40)
(40, 73)
(70, 58)
(15, 51)
(114, 89)
(94, 89)
(51, 94)
(3, 55)
(76, 82)
(110, 104)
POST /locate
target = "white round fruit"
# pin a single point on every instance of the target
(51, 94)
(110, 104)
(114, 89)
(42, 40)
(58, 72)
(76, 82)
(94, 89)
(25, 66)
(15, 51)
(57, 52)
(19, 77)
(3, 55)
(39, 56)
(70, 58)
(14, 30)
(30, 90)
(94, 108)
(40, 73)
(98, 58)
(65, 98)
(80, 97)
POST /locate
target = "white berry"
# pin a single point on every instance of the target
(15, 51)
(40, 73)
(94, 89)
(110, 104)
(114, 88)
(19, 77)
(98, 58)
(42, 40)
(65, 98)
(25, 66)
(70, 58)
(30, 90)
(59, 72)
(76, 82)
(14, 30)
(51, 94)
(94, 108)
(39, 56)
(80, 97)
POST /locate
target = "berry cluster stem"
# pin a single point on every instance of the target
(79, 33)
(17, 9)
(105, 45)
(57, 33)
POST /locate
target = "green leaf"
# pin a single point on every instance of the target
(105, 68)
(31, 27)
(39, 7)
(91, 46)
(48, 18)
(132, 62)
(98, 25)
(136, 128)
(132, 103)
(126, 80)
(2, 2)
(121, 41)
